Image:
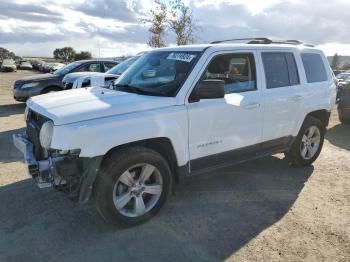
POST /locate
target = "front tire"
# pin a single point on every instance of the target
(308, 144)
(132, 186)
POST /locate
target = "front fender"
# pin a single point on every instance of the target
(97, 136)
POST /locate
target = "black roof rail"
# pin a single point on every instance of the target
(265, 41)
(261, 40)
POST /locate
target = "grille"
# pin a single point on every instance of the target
(34, 124)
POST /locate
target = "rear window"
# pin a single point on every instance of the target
(314, 68)
(280, 70)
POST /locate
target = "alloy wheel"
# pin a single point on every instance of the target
(137, 190)
(310, 142)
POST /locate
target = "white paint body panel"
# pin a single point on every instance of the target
(96, 120)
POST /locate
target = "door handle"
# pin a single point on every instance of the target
(252, 105)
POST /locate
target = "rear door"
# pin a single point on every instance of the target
(283, 95)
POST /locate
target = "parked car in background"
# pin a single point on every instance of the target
(35, 64)
(178, 112)
(56, 66)
(344, 99)
(8, 65)
(112, 74)
(337, 72)
(52, 82)
(41, 65)
(18, 61)
(342, 75)
(25, 65)
(46, 67)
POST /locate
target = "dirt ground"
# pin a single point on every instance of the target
(263, 210)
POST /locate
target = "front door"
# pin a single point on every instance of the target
(222, 129)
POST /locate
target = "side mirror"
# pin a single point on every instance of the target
(208, 89)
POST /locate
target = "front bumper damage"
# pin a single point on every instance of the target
(69, 173)
(44, 172)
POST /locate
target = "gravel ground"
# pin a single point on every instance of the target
(262, 210)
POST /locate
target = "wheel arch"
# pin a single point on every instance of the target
(162, 145)
(322, 114)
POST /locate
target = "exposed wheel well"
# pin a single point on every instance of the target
(51, 88)
(323, 115)
(162, 145)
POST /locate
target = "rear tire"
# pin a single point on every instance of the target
(132, 186)
(308, 144)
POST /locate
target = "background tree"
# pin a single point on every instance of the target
(158, 21)
(67, 54)
(181, 22)
(4, 53)
(83, 55)
(336, 61)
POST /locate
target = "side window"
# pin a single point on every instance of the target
(237, 70)
(293, 70)
(314, 68)
(108, 66)
(95, 67)
(280, 70)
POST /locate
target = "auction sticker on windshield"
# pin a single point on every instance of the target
(181, 57)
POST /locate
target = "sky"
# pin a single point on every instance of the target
(109, 28)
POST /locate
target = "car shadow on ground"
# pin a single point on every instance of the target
(209, 218)
(339, 136)
(12, 109)
(8, 152)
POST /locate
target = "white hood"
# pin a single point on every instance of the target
(76, 105)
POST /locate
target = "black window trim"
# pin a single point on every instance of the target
(233, 53)
(289, 72)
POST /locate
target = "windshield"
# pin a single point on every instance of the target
(67, 69)
(121, 68)
(159, 73)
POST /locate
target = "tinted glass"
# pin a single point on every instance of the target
(276, 70)
(109, 66)
(94, 67)
(292, 68)
(68, 68)
(314, 68)
(237, 70)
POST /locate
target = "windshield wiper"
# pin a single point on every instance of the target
(127, 88)
(136, 90)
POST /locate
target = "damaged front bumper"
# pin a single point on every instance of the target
(70, 173)
(45, 172)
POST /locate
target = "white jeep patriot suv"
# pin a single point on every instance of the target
(175, 113)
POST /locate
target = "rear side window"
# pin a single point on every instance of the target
(280, 70)
(314, 68)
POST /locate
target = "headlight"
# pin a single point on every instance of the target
(45, 136)
(28, 85)
(26, 111)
